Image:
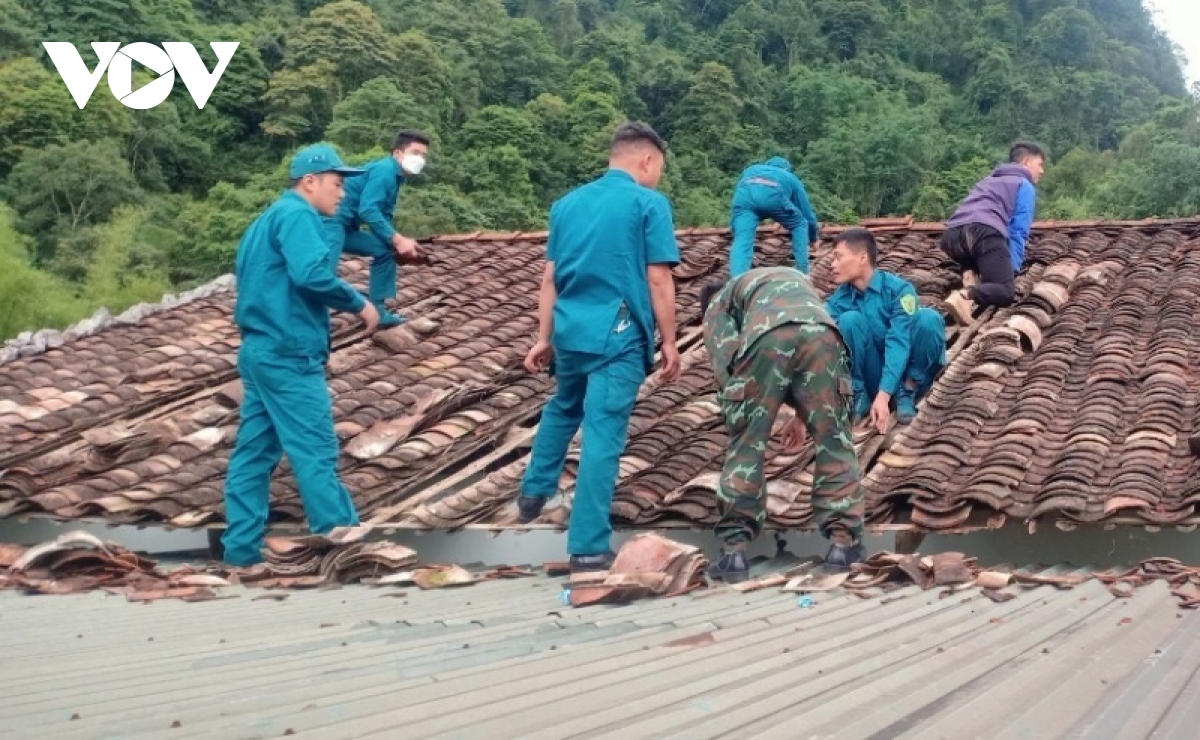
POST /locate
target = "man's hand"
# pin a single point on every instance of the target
(405, 247)
(538, 359)
(671, 363)
(370, 315)
(881, 412)
(795, 434)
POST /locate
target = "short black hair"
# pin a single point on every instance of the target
(636, 132)
(1024, 149)
(859, 240)
(408, 136)
(707, 293)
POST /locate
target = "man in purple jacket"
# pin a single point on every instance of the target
(986, 235)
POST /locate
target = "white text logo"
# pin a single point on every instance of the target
(118, 60)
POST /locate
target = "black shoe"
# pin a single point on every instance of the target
(529, 508)
(592, 563)
(731, 567)
(840, 558)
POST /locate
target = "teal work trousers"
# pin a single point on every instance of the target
(926, 358)
(365, 244)
(751, 204)
(597, 392)
(285, 408)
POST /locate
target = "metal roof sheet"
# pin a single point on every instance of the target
(507, 659)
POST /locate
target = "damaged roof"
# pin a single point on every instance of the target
(1073, 405)
(505, 659)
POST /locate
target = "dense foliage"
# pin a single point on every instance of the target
(885, 106)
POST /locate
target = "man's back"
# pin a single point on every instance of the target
(774, 173)
(751, 305)
(603, 237)
(993, 200)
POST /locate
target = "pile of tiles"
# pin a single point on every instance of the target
(342, 556)
(77, 562)
(648, 564)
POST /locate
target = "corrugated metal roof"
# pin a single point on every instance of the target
(507, 659)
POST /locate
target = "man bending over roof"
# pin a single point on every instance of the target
(286, 286)
(896, 347)
(770, 190)
(606, 284)
(771, 343)
(371, 200)
(986, 235)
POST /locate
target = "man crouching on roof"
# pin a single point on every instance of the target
(771, 342)
(606, 284)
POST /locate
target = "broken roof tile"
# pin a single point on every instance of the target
(1074, 403)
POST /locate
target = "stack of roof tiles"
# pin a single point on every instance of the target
(1073, 405)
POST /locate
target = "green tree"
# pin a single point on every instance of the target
(66, 187)
(370, 116)
(424, 75)
(29, 298)
(347, 35)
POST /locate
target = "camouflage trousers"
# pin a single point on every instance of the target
(806, 366)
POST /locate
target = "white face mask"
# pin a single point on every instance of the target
(412, 163)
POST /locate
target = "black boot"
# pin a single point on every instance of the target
(841, 557)
(730, 568)
(592, 563)
(529, 508)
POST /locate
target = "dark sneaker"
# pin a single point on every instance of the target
(592, 563)
(906, 405)
(730, 568)
(841, 557)
(529, 508)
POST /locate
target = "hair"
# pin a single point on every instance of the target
(636, 132)
(1023, 150)
(706, 295)
(859, 240)
(409, 136)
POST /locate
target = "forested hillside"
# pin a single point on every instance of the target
(885, 106)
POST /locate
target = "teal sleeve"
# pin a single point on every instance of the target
(659, 230)
(898, 344)
(307, 258)
(377, 201)
(834, 305)
(553, 238)
(806, 209)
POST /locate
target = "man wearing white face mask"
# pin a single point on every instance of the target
(371, 200)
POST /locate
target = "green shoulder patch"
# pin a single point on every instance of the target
(908, 302)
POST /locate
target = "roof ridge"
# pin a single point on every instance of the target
(29, 343)
(882, 224)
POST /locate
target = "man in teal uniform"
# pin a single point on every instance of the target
(770, 190)
(371, 200)
(896, 347)
(606, 285)
(286, 287)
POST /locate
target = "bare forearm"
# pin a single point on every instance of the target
(662, 299)
(546, 298)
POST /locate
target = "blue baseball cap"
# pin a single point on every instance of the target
(318, 158)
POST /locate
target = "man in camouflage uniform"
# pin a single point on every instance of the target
(771, 342)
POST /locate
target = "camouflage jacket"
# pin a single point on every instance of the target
(753, 304)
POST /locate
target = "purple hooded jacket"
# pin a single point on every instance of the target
(1004, 201)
